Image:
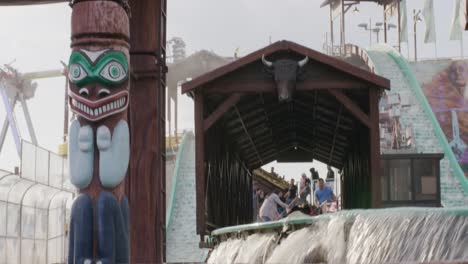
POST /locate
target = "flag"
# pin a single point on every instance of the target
(403, 21)
(458, 21)
(428, 13)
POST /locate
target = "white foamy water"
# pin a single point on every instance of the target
(255, 247)
(226, 251)
(358, 236)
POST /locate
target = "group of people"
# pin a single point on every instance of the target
(276, 205)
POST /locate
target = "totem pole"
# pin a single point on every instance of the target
(99, 147)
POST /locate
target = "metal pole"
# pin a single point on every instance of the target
(370, 32)
(399, 28)
(27, 116)
(385, 24)
(6, 124)
(169, 118)
(176, 117)
(343, 41)
(331, 29)
(415, 20)
(461, 46)
(65, 110)
(11, 119)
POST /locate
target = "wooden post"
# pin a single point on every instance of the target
(146, 183)
(200, 163)
(374, 147)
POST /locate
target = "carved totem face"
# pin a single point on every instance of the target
(98, 83)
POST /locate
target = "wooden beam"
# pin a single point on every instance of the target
(336, 131)
(222, 108)
(374, 141)
(200, 163)
(236, 86)
(313, 85)
(351, 106)
(268, 86)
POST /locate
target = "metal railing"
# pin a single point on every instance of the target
(349, 50)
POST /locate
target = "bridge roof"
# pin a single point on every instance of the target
(284, 46)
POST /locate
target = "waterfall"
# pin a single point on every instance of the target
(356, 236)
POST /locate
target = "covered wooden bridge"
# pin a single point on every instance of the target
(288, 103)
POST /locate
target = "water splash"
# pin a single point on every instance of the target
(358, 236)
(226, 252)
(256, 247)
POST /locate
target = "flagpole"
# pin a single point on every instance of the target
(408, 50)
(461, 45)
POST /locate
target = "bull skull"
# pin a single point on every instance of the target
(285, 73)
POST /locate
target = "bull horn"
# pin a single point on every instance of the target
(267, 63)
(303, 62)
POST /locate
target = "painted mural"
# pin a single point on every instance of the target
(447, 94)
(396, 135)
(444, 83)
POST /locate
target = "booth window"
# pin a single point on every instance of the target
(410, 179)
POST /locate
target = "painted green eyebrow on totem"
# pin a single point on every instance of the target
(110, 69)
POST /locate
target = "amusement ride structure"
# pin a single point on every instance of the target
(16, 87)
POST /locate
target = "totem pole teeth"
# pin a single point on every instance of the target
(95, 110)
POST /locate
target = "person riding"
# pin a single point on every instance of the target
(292, 192)
(323, 194)
(269, 211)
(304, 188)
(330, 173)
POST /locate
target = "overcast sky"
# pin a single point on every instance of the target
(37, 38)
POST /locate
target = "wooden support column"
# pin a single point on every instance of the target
(200, 163)
(146, 181)
(374, 148)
